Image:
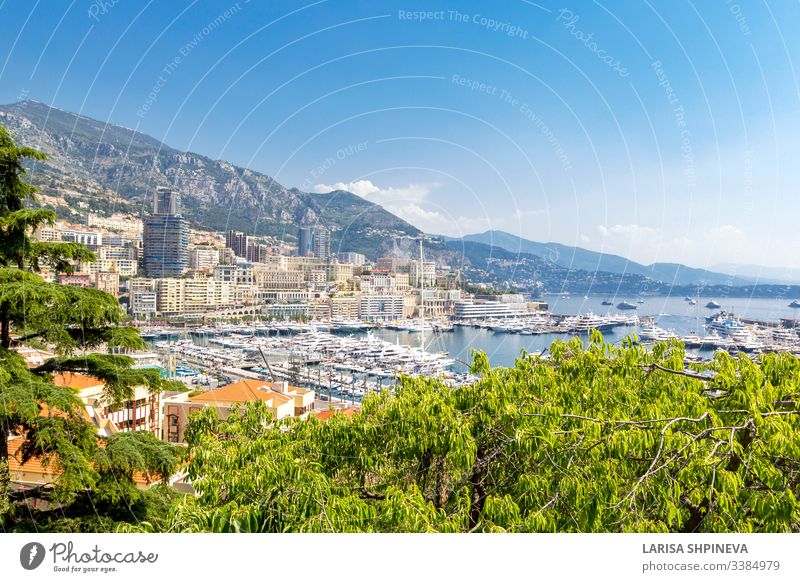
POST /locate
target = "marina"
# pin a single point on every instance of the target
(347, 359)
(344, 367)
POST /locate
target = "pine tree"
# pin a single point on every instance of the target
(73, 321)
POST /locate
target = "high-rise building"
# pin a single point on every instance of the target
(305, 242)
(314, 241)
(166, 201)
(322, 242)
(355, 259)
(238, 241)
(166, 237)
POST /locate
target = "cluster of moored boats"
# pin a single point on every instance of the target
(728, 333)
(334, 325)
(343, 366)
(543, 323)
(344, 359)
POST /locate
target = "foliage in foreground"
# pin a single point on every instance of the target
(94, 486)
(602, 439)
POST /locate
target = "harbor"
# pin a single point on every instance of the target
(345, 360)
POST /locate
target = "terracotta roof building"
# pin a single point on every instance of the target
(282, 400)
(142, 412)
(324, 415)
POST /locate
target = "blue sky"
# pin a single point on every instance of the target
(657, 130)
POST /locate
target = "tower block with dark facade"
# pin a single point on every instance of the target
(166, 237)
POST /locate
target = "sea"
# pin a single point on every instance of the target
(670, 313)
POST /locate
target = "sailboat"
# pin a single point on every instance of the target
(607, 301)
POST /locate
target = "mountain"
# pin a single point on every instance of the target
(772, 274)
(106, 167)
(578, 258)
(520, 270)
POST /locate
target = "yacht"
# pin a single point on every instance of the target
(414, 326)
(687, 298)
(713, 305)
(651, 332)
(794, 304)
(710, 341)
(586, 322)
(727, 327)
(692, 302)
(718, 316)
(625, 305)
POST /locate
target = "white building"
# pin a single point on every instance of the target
(355, 259)
(422, 273)
(381, 307)
(203, 258)
(483, 310)
(84, 237)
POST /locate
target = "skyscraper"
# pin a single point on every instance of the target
(166, 201)
(238, 241)
(165, 238)
(322, 242)
(314, 241)
(305, 242)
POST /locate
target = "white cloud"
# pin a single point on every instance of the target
(725, 235)
(362, 188)
(412, 203)
(369, 190)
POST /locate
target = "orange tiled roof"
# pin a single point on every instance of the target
(35, 466)
(76, 381)
(45, 411)
(242, 391)
(324, 415)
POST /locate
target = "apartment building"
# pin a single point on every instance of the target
(382, 281)
(339, 272)
(125, 250)
(314, 241)
(282, 400)
(394, 264)
(355, 259)
(184, 296)
(116, 222)
(203, 258)
(141, 412)
(378, 308)
(238, 273)
(422, 273)
(123, 267)
(165, 237)
(267, 279)
(108, 282)
(345, 307)
(91, 239)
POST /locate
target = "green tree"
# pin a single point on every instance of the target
(597, 439)
(72, 321)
